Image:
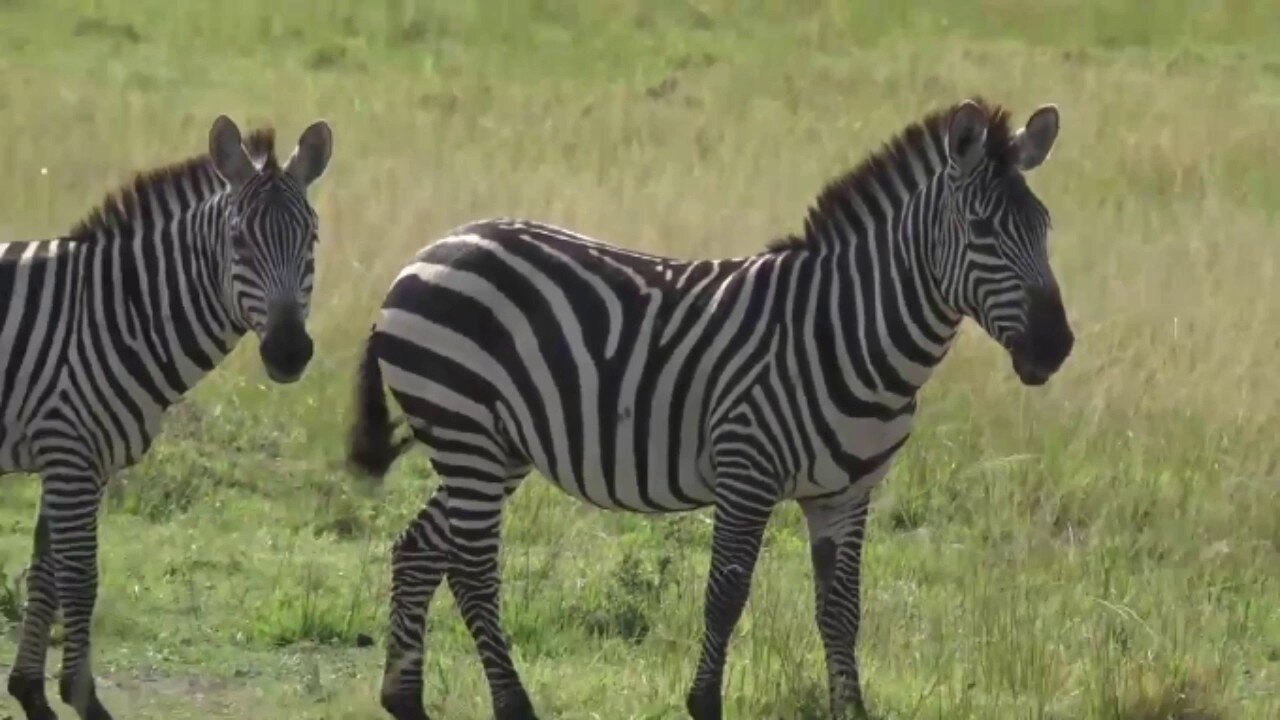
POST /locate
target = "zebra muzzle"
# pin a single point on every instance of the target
(286, 349)
(1047, 341)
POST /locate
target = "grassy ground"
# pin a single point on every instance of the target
(1108, 547)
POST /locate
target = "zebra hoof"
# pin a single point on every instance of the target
(96, 711)
(29, 692)
(515, 707)
(846, 699)
(405, 707)
(853, 710)
(78, 692)
(704, 705)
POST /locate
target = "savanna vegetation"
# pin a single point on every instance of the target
(1105, 547)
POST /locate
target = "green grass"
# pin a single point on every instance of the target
(1106, 547)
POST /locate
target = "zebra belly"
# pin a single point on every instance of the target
(15, 451)
(650, 493)
(594, 443)
(612, 481)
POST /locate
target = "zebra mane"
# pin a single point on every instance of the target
(920, 144)
(118, 207)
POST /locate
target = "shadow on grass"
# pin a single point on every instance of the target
(809, 701)
(1175, 698)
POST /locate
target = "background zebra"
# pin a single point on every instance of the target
(103, 329)
(648, 384)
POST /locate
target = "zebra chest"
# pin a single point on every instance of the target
(859, 453)
(127, 445)
(113, 434)
(868, 437)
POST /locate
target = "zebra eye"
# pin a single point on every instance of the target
(982, 227)
(239, 240)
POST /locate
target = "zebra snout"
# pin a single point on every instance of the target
(1047, 340)
(286, 349)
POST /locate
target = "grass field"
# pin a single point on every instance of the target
(1106, 547)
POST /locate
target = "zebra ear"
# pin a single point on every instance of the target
(228, 154)
(967, 136)
(1034, 142)
(311, 157)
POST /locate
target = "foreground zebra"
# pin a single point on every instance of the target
(648, 384)
(103, 329)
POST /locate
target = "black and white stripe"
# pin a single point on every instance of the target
(655, 385)
(102, 330)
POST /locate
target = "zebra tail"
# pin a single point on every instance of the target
(371, 444)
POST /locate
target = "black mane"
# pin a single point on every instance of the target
(119, 206)
(922, 141)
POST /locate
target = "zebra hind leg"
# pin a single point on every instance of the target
(419, 560)
(836, 533)
(740, 520)
(26, 680)
(475, 515)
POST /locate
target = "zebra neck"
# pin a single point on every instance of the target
(157, 298)
(873, 317)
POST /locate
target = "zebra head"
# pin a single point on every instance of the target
(269, 236)
(995, 260)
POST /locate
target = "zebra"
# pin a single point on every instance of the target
(104, 328)
(656, 385)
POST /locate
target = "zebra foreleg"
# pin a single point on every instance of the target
(418, 564)
(837, 529)
(26, 680)
(741, 515)
(70, 500)
(475, 518)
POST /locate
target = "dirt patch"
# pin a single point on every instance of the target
(142, 694)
